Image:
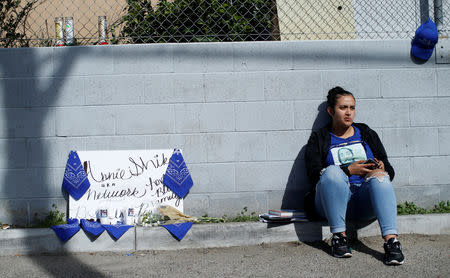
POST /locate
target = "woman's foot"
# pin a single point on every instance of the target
(339, 246)
(393, 252)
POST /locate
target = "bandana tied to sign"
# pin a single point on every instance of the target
(75, 180)
(92, 227)
(177, 176)
(178, 230)
(116, 231)
(66, 231)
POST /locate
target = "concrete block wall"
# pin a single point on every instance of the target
(241, 112)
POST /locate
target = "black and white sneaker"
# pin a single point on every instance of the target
(393, 252)
(339, 246)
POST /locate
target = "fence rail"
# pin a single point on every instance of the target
(57, 22)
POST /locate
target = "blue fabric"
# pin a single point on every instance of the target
(177, 176)
(75, 180)
(117, 230)
(337, 200)
(94, 228)
(66, 231)
(425, 39)
(346, 145)
(178, 230)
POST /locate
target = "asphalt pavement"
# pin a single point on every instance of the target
(426, 256)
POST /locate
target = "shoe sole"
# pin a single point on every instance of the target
(346, 255)
(394, 262)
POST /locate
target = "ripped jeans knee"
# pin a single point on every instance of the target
(378, 174)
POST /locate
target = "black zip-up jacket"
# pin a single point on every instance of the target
(317, 151)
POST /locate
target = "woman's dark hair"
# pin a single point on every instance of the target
(334, 94)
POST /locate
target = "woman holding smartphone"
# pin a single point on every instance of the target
(351, 176)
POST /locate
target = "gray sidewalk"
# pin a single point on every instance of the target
(35, 241)
(425, 256)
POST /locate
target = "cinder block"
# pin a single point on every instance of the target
(14, 211)
(143, 58)
(257, 56)
(430, 112)
(395, 113)
(234, 87)
(101, 90)
(97, 143)
(308, 112)
(231, 204)
(292, 85)
(250, 146)
(219, 57)
(13, 93)
(444, 139)
(83, 60)
(204, 117)
(411, 141)
(379, 54)
(443, 82)
(146, 119)
(193, 146)
(361, 83)
(27, 183)
(275, 199)
(444, 193)
(256, 116)
(402, 170)
(285, 145)
(13, 153)
(221, 147)
(39, 208)
(189, 57)
(52, 152)
(430, 170)
(26, 62)
(27, 122)
(174, 88)
(50, 91)
(196, 204)
(407, 83)
(317, 55)
(212, 178)
(422, 196)
(87, 120)
(259, 176)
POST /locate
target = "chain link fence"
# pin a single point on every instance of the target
(63, 22)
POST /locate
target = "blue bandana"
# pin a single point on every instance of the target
(75, 180)
(94, 228)
(116, 231)
(66, 231)
(177, 176)
(178, 230)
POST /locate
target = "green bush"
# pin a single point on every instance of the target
(199, 20)
(411, 208)
(54, 217)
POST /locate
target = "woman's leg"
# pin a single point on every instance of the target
(376, 198)
(332, 195)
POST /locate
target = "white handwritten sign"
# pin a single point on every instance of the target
(121, 180)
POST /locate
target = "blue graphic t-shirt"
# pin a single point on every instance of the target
(346, 151)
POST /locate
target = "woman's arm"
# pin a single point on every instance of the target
(313, 159)
(380, 153)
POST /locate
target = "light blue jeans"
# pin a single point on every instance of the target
(337, 199)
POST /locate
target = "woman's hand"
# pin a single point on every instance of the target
(380, 164)
(360, 169)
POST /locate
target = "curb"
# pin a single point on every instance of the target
(44, 241)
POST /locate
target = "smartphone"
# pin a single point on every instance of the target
(368, 161)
